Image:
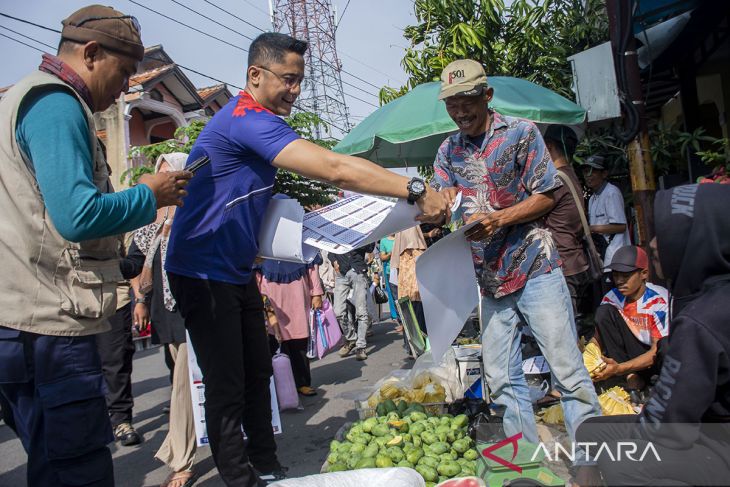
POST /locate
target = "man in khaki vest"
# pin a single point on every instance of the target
(59, 249)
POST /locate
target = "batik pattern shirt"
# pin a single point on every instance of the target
(511, 164)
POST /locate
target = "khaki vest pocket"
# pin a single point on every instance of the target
(87, 288)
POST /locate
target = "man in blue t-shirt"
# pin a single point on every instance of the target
(213, 245)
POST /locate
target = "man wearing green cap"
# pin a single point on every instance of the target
(504, 172)
(60, 248)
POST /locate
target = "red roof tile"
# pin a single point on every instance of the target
(208, 91)
(141, 78)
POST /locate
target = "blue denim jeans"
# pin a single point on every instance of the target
(544, 305)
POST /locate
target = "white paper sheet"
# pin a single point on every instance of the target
(448, 286)
(356, 221)
(280, 236)
(287, 233)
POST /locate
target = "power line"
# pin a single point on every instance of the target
(29, 38)
(212, 20)
(343, 13)
(245, 50)
(31, 23)
(21, 42)
(233, 15)
(188, 26)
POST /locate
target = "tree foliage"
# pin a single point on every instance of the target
(526, 39)
(307, 192)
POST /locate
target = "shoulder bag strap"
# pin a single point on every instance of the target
(581, 211)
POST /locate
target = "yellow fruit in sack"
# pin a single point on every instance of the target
(418, 395)
(422, 380)
(592, 358)
(434, 393)
(553, 415)
(615, 401)
(373, 400)
(389, 391)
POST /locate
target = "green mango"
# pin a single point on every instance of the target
(407, 437)
(449, 469)
(383, 461)
(428, 437)
(471, 454)
(438, 448)
(442, 437)
(344, 447)
(380, 410)
(461, 420)
(429, 460)
(337, 467)
(442, 479)
(448, 457)
(370, 451)
(408, 446)
(433, 420)
(368, 424)
(365, 463)
(392, 416)
(334, 445)
(429, 474)
(352, 461)
(417, 441)
(357, 449)
(417, 428)
(361, 439)
(395, 454)
(445, 420)
(460, 446)
(405, 463)
(332, 458)
(401, 406)
(389, 406)
(417, 416)
(380, 430)
(443, 428)
(414, 456)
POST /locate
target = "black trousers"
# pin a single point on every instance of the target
(578, 286)
(700, 464)
(116, 350)
(617, 340)
(228, 334)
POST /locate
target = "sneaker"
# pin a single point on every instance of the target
(346, 349)
(278, 473)
(127, 435)
(306, 391)
(360, 354)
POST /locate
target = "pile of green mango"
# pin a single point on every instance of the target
(437, 447)
(403, 408)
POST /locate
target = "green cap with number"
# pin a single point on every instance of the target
(463, 77)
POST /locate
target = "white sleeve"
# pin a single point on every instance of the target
(614, 202)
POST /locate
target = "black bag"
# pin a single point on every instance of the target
(380, 296)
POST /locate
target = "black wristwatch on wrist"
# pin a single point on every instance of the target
(416, 189)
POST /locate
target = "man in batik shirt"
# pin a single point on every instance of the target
(501, 166)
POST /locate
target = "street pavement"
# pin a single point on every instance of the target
(303, 445)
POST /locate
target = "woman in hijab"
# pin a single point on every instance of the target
(154, 302)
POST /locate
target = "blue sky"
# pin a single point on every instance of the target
(369, 38)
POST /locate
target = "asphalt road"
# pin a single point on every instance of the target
(306, 434)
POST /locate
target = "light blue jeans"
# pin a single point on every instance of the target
(544, 304)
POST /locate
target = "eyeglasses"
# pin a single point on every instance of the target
(289, 80)
(131, 18)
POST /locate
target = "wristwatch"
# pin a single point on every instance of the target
(416, 189)
(142, 300)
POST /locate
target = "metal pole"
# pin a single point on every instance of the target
(641, 168)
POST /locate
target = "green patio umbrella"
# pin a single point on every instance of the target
(409, 130)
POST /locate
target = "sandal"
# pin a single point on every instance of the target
(186, 478)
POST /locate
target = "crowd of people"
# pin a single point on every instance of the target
(192, 271)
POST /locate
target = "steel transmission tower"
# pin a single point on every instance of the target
(314, 21)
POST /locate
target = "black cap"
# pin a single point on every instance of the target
(629, 259)
(597, 162)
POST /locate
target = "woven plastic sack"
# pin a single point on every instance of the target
(391, 477)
